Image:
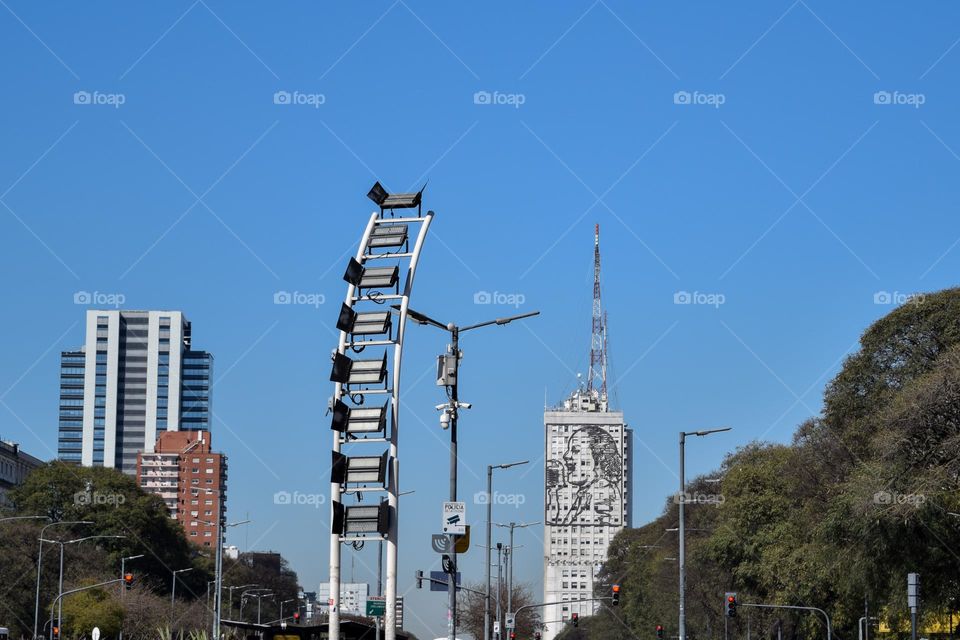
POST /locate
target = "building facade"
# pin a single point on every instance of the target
(135, 377)
(191, 478)
(14, 467)
(586, 502)
(353, 598)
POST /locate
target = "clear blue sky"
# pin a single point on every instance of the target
(783, 184)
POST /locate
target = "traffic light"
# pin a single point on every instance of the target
(659, 632)
(419, 579)
(730, 605)
(575, 619)
(128, 581)
(56, 633)
(296, 617)
(615, 595)
(513, 635)
(536, 635)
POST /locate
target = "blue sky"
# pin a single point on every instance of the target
(787, 161)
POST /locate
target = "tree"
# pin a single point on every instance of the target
(470, 609)
(88, 609)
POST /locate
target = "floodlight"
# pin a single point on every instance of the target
(361, 520)
(371, 277)
(396, 200)
(347, 371)
(364, 323)
(388, 235)
(355, 420)
(358, 469)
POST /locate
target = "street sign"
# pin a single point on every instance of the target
(496, 626)
(455, 518)
(376, 606)
(462, 544)
(913, 591)
(439, 581)
(511, 621)
(96, 633)
(440, 543)
(449, 566)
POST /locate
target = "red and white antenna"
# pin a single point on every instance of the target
(597, 379)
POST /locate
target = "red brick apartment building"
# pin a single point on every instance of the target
(192, 480)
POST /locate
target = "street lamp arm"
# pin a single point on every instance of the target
(421, 318)
(500, 321)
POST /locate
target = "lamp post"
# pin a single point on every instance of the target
(36, 611)
(512, 526)
(230, 597)
(682, 631)
(282, 602)
(499, 582)
(173, 589)
(123, 572)
(255, 593)
(450, 415)
(486, 601)
(218, 570)
(62, 544)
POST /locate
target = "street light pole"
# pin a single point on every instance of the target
(36, 611)
(452, 411)
(230, 597)
(218, 568)
(173, 590)
(510, 554)
(486, 601)
(62, 544)
(123, 572)
(682, 554)
(499, 582)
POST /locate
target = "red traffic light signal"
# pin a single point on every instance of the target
(513, 636)
(575, 618)
(128, 580)
(615, 594)
(296, 617)
(730, 605)
(659, 631)
(56, 633)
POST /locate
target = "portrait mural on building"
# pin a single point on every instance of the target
(587, 479)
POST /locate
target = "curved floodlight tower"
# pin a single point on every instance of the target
(366, 388)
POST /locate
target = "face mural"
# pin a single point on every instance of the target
(591, 460)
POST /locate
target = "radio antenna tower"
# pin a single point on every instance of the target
(597, 380)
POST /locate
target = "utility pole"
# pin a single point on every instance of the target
(510, 549)
(486, 602)
(450, 416)
(681, 499)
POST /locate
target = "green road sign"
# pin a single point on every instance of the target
(376, 606)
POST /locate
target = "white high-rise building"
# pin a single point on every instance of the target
(135, 377)
(586, 503)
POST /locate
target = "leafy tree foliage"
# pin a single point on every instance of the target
(860, 498)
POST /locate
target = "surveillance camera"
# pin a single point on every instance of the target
(444, 420)
(464, 405)
(441, 407)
